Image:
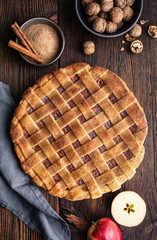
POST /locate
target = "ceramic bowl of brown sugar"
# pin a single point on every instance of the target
(46, 37)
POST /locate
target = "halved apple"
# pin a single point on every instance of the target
(128, 209)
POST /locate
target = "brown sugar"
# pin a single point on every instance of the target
(45, 40)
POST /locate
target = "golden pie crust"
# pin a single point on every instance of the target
(79, 132)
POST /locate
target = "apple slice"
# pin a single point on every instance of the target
(128, 209)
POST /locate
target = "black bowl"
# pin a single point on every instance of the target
(137, 7)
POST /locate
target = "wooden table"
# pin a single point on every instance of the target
(138, 71)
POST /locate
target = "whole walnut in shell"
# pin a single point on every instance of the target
(130, 2)
(116, 14)
(99, 25)
(92, 9)
(92, 18)
(119, 25)
(106, 5)
(135, 31)
(120, 3)
(104, 15)
(88, 47)
(111, 27)
(128, 13)
(86, 2)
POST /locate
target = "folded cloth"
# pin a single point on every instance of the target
(17, 191)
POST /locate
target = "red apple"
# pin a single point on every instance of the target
(104, 229)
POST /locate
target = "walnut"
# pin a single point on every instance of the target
(120, 3)
(88, 47)
(119, 25)
(86, 2)
(104, 15)
(128, 13)
(116, 14)
(136, 46)
(129, 38)
(152, 31)
(111, 27)
(130, 2)
(92, 18)
(92, 9)
(99, 25)
(142, 22)
(136, 31)
(106, 5)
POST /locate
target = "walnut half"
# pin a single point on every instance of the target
(152, 31)
(136, 46)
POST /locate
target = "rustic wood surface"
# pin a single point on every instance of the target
(139, 72)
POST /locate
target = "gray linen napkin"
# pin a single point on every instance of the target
(17, 191)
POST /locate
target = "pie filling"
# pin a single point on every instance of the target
(56, 114)
(46, 163)
(60, 89)
(92, 134)
(85, 93)
(36, 148)
(86, 158)
(45, 99)
(66, 129)
(61, 153)
(57, 178)
(128, 154)
(108, 124)
(112, 98)
(51, 139)
(111, 163)
(40, 124)
(30, 110)
(100, 82)
(97, 109)
(102, 149)
(75, 78)
(71, 103)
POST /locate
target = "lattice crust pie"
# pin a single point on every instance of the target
(79, 132)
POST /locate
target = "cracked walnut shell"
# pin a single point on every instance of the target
(136, 46)
(152, 31)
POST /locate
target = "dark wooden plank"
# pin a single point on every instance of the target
(139, 72)
(20, 75)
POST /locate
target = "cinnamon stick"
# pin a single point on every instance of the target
(31, 47)
(25, 51)
(81, 224)
(18, 34)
